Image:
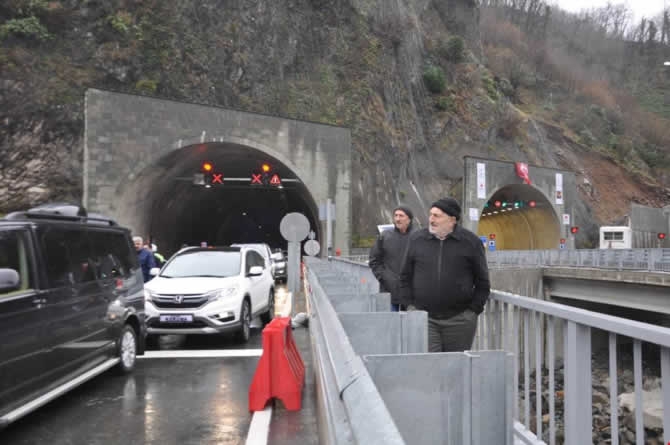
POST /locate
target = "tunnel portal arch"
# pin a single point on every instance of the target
(140, 154)
(523, 214)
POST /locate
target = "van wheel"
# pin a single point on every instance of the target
(266, 317)
(127, 349)
(245, 317)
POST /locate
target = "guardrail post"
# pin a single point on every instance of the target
(578, 414)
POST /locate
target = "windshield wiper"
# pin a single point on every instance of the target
(209, 276)
(165, 276)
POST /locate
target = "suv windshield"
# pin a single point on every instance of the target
(203, 264)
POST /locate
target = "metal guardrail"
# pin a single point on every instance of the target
(526, 326)
(651, 260)
(353, 410)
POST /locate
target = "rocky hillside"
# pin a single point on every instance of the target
(413, 79)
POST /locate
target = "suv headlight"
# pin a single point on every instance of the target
(148, 295)
(222, 293)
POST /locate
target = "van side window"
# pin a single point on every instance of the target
(112, 254)
(68, 256)
(14, 254)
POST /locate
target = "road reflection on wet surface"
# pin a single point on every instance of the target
(190, 400)
(164, 401)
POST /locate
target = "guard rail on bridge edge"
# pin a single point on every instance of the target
(523, 325)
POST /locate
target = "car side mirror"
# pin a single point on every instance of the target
(154, 271)
(255, 271)
(9, 280)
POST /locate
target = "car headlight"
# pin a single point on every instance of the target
(222, 293)
(148, 295)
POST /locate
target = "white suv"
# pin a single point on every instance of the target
(265, 252)
(210, 291)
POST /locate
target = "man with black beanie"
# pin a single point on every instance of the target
(445, 274)
(386, 255)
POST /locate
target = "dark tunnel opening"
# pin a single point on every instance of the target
(172, 210)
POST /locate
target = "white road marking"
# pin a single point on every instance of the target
(202, 353)
(260, 427)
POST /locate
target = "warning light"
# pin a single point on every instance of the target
(492, 236)
(217, 178)
(265, 168)
(275, 180)
(661, 235)
(256, 179)
(532, 203)
(497, 203)
(574, 229)
(207, 167)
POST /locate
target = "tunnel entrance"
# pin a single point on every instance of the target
(521, 218)
(173, 207)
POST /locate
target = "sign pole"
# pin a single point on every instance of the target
(329, 228)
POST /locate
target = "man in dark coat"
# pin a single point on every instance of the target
(386, 255)
(446, 275)
(144, 257)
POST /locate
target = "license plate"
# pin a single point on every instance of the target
(176, 318)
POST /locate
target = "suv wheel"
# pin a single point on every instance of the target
(245, 318)
(266, 317)
(127, 349)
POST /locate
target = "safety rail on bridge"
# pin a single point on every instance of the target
(650, 260)
(526, 326)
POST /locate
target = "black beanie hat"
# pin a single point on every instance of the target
(407, 211)
(449, 206)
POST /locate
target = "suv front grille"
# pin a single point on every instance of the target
(179, 301)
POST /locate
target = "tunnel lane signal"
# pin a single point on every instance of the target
(207, 167)
(661, 236)
(217, 178)
(574, 230)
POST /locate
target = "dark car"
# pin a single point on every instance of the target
(71, 304)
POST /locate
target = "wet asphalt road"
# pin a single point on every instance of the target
(172, 401)
(164, 401)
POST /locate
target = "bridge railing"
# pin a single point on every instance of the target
(527, 326)
(651, 260)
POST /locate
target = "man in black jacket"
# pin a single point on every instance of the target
(386, 255)
(446, 274)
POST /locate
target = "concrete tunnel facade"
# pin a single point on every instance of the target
(141, 155)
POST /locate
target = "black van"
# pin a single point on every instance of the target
(71, 304)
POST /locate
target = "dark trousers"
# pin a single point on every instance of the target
(454, 334)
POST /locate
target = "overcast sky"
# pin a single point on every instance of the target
(646, 8)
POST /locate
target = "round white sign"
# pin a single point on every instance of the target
(312, 247)
(294, 227)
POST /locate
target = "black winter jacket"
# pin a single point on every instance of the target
(445, 277)
(386, 257)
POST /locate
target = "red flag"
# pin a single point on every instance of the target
(522, 171)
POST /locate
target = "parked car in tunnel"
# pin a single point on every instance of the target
(71, 304)
(279, 262)
(210, 290)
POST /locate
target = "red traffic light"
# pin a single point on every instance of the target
(574, 229)
(661, 235)
(532, 203)
(497, 203)
(207, 167)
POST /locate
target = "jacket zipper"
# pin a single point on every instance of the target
(439, 268)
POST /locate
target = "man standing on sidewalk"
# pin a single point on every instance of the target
(446, 275)
(386, 255)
